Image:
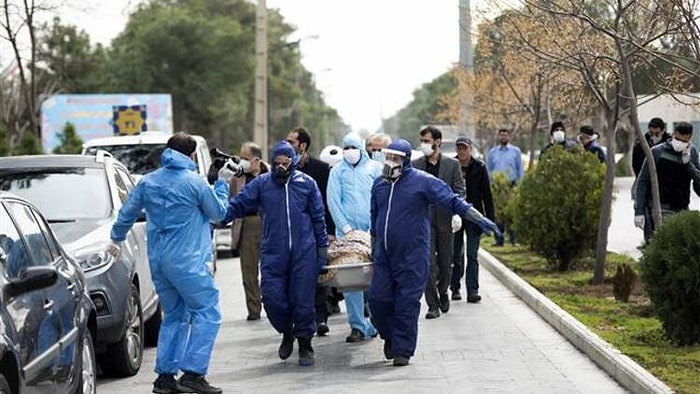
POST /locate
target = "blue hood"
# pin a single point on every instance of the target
(174, 159)
(354, 139)
(284, 148)
(404, 146)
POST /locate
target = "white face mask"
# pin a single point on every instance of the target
(679, 146)
(352, 155)
(558, 136)
(245, 166)
(378, 156)
(427, 149)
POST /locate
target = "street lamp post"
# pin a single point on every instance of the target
(260, 121)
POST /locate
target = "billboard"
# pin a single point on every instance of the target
(104, 115)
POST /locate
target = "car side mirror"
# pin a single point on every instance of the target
(33, 278)
(141, 218)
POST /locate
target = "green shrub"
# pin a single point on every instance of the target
(29, 144)
(558, 204)
(503, 194)
(69, 141)
(670, 271)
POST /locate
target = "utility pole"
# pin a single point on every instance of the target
(466, 60)
(260, 126)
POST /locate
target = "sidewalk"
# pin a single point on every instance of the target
(497, 346)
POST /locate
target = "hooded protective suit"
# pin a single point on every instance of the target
(400, 220)
(293, 229)
(179, 205)
(348, 194)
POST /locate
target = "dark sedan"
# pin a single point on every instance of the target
(47, 320)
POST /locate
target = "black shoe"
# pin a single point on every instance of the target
(334, 309)
(456, 296)
(401, 361)
(195, 383)
(166, 384)
(355, 336)
(253, 317)
(432, 314)
(306, 352)
(473, 298)
(322, 329)
(497, 244)
(444, 303)
(388, 353)
(286, 347)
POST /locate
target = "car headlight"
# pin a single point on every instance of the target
(92, 259)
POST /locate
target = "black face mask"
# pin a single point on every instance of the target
(281, 174)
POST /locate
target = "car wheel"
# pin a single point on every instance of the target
(4, 386)
(124, 357)
(152, 328)
(88, 372)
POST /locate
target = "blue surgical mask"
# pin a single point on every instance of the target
(378, 156)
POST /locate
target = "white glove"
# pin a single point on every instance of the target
(114, 249)
(456, 223)
(685, 155)
(639, 221)
(229, 170)
(347, 228)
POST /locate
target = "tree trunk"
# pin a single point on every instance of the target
(606, 202)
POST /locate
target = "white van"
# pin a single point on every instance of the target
(141, 155)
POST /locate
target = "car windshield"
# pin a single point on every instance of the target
(139, 159)
(62, 194)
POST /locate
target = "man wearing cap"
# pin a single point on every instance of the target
(476, 178)
(400, 227)
(589, 139)
(506, 158)
(443, 224)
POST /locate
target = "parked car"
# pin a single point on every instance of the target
(80, 197)
(47, 320)
(141, 155)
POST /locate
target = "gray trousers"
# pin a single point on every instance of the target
(441, 245)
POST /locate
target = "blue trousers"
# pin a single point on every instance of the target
(190, 303)
(473, 233)
(355, 304)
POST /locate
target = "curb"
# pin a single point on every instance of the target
(623, 369)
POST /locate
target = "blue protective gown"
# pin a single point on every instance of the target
(293, 228)
(348, 195)
(401, 250)
(179, 205)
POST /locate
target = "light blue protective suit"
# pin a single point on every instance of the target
(401, 251)
(179, 205)
(293, 229)
(348, 195)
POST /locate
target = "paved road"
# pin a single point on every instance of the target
(498, 346)
(623, 237)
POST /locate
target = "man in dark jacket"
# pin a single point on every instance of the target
(292, 250)
(589, 139)
(478, 186)
(442, 223)
(676, 166)
(300, 139)
(656, 135)
(400, 227)
(557, 133)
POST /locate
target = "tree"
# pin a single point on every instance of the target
(69, 141)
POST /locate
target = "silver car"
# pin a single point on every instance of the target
(80, 197)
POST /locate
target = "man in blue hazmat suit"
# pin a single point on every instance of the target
(348, 194)
(400, 219)
(179, 205)
(292, 249)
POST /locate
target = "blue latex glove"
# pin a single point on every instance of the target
(487, 226)
(322, 259)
